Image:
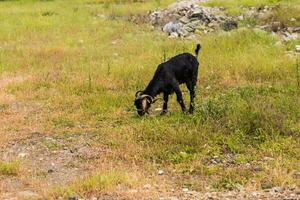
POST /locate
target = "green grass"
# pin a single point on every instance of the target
(85, 70)
(283, 10)
(95, 184)
(9, 168)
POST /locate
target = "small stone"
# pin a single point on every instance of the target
(171, 27)
(292, 19)
(257, 169)
(22, 155)
(161, 172)
(278, 189)
(73, 198)
(229, 25)
(241, 17)
(296, 174)
(297, 48)
(174, 35)
(288, 36)
(296, 29)
(185, 189)
(276, 26)
(208, 87)
(184, 20)
(267, 158)
(147, 186)
(50, 171)
(265, 186)
(133, 191)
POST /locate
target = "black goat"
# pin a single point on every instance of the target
(180, 69)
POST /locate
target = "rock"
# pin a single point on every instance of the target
(184, 20)
(241, 17)
(297, 48)
(216, 160)
(268, 158)
(174, 35)
(229, 25)
(266, 186)
(258, 169)
(50, 171)
(147, 186)
(73, 198)
(133, 191)
(22, 155)
(161, 172)
(171, 27)
(297, 173)
(276, 26)
(288, 36)
(296, 29)
(185, 189)
(277, 189)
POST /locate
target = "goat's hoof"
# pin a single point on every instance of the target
(191, 111)
(164, 112)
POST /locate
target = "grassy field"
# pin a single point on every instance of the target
(65, 71)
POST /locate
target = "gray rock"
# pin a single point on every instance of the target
(296, 29)
(276, 26)
(184, 20)
(172, 27)
(229, 25)
(288, 36)
(278, 189)
(266, 186)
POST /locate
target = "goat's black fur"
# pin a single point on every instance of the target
(180, 69)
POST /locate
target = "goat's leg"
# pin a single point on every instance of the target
(179, 98)
(165, 106)
(191, 88)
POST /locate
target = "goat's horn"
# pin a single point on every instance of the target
(146, 96)
(158, 98)
(137, 93)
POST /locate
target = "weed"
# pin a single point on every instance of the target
(10, 168)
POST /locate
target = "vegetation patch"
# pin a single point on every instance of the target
(9, 168)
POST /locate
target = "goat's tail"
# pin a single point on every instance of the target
(197, 50)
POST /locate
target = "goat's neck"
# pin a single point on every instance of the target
(152, 89)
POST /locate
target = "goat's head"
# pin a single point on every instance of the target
(142, 103)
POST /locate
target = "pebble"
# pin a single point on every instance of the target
(278, 189)
(22, 155)
(147, 186)
(297, 48)
(161, 172)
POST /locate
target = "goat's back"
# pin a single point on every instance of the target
(183, 67)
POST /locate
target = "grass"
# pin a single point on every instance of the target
(283, 10)
(100, 182)
(84, 71)
(9, 168)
